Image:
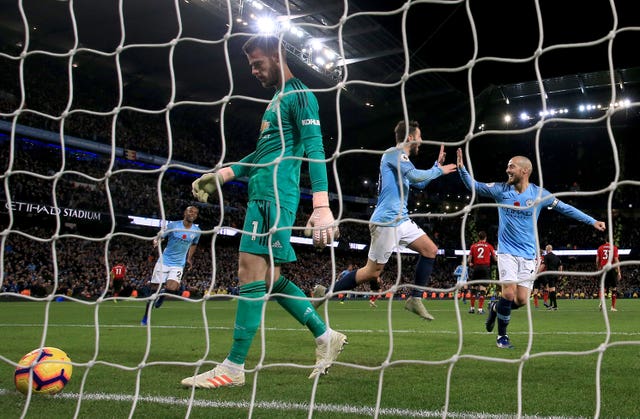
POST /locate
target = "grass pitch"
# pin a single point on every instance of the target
(575, 362)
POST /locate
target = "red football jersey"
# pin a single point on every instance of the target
(605, 253)
(481, 253)
(118, 271)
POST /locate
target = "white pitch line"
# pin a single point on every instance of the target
(285, 329)
(286, 406)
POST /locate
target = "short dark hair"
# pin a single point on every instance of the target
(401, 130)
(268, 44)
(482, 235)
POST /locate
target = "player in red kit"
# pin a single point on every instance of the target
(118, 272)
(605, 253)
(481, 254)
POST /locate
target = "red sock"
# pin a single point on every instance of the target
(535, 299)
(545, 297)
(481, 302)
(473, 301)
(614, 298)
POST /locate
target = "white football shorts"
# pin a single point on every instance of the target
(385, 240)
(517, 269)
(163, 273)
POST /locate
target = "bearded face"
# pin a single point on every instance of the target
(515, 172)
(265, 68)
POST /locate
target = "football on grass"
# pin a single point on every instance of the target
(46, 370)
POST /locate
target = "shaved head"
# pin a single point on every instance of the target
(518, 172)
(523, 162)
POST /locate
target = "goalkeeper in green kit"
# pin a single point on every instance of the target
(270, 196)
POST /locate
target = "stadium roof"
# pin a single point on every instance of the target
(439, 44)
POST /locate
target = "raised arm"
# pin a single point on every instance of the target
(483, 189)
(420, 178)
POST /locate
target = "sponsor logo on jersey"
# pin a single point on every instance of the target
(310, 122)
(277, 244)
(404, 157)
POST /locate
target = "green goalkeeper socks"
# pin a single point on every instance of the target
(248, 316)
(301, 309)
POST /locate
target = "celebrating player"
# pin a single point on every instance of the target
(350, 268)
(390, 224)
(607, 252)
(461, 274)
(374, 285)
(481, 254)
(521, 203)
(272, 200)
(181, 245)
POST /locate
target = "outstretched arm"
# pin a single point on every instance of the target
(491, 190)
(209, 183)
(420, 178)
(576, 214)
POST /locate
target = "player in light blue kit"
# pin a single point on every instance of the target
(517, 243)
(390, 225)
(182, 240)
(461, 274)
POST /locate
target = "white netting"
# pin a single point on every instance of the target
(110, 110)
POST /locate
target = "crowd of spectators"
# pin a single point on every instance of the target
(82, 268)
(133, 189)
(37, 172)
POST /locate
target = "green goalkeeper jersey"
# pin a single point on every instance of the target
(302, 137)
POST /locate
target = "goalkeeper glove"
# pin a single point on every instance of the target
(206, 185)
(323, 226)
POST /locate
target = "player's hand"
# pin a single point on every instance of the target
(322, 225)
(460, 160)
(206, 185)
(442, 155)
(447, 168)
(600, 226)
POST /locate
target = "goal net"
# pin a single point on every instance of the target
(110, 110)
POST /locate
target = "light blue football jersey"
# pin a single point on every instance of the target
(461, 273)
(397, 174)
(516, 230)
(178, 243)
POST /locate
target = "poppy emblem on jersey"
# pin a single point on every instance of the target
(516, 204)
(184, 237)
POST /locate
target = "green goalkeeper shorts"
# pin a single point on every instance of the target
(260, 218)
